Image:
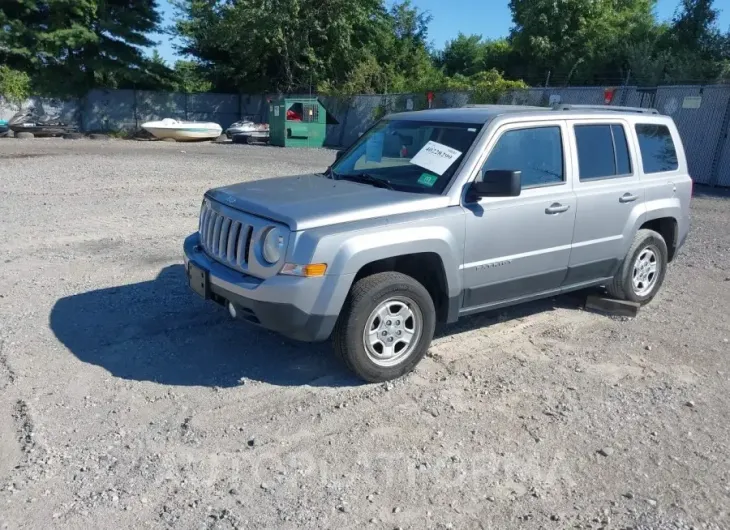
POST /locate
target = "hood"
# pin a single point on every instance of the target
(310, 201)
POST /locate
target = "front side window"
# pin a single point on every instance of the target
(602, 151)
(407, 155)
(537, 152)
(658, 153)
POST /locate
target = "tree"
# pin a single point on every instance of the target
(699, 50)
(579, 41)
(157, 59)
(190, 78)
(469, 55)
(72, 46)
(298, 45)
(14, 85)
(464, 55)
(691, 49)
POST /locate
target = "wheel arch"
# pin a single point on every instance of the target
(430, 255)
(668, 228)
(663, 217)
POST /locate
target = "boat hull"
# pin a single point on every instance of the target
(183, 131)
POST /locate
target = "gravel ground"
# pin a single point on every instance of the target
(126, 402)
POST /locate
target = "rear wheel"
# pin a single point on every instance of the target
(642, 273)
(385, 327)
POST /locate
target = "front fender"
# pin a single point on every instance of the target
(359, 249)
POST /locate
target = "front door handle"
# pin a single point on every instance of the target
(556, 208)
(627, 197)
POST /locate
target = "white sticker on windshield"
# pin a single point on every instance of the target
(436, 157)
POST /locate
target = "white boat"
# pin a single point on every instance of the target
(183, 130)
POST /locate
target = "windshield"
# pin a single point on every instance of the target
(415, 156)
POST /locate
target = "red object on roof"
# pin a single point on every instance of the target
(608, 95)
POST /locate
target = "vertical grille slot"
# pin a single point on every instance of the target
(232, 242)
(216, 236)
(209, 230)
(223, 238)
(244, 244)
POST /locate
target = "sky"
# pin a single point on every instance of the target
(454, 16)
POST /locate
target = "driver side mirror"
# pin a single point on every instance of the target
(339, 154)
(497, 183)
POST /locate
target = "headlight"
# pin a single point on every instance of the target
(273, 243)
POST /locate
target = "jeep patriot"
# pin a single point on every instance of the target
(438, 214)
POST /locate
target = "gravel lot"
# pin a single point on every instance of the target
(126, 402)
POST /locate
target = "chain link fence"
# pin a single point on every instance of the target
(702, 113)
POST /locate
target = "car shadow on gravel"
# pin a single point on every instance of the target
(161, 331)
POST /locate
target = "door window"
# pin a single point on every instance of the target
(602, 151)
(537, 152)
(658, 153)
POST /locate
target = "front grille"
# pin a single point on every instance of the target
(225, 239)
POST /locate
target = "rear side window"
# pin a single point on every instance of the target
(623, 162)
(658, 153)
(602, 151)
(536, 152)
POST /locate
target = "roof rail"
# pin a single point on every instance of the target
(640, 110)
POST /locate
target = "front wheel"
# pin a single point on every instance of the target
(642, 273)
(385, 327)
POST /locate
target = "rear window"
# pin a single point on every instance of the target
(658, 153)
(602, 151)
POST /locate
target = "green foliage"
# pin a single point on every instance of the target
(579, 41)
(14, 85)
(190, 78)
(70, 46)
(297, 45)
(469, 55)
(602, 41)
(345, 47)
(485, 87)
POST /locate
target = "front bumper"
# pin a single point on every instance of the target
(282, 303)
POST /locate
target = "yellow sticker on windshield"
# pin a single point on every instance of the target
(426, 179)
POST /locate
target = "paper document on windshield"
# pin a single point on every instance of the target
(436, 157)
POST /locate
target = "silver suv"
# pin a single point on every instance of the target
(439, 214)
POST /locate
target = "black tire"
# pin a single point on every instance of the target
(240, 139)
(24, 136)
(365, 296)
(622, 286)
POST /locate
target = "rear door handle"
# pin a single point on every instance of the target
(627, 197)
(556, 208)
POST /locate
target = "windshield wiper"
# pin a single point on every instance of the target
(368, 178)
